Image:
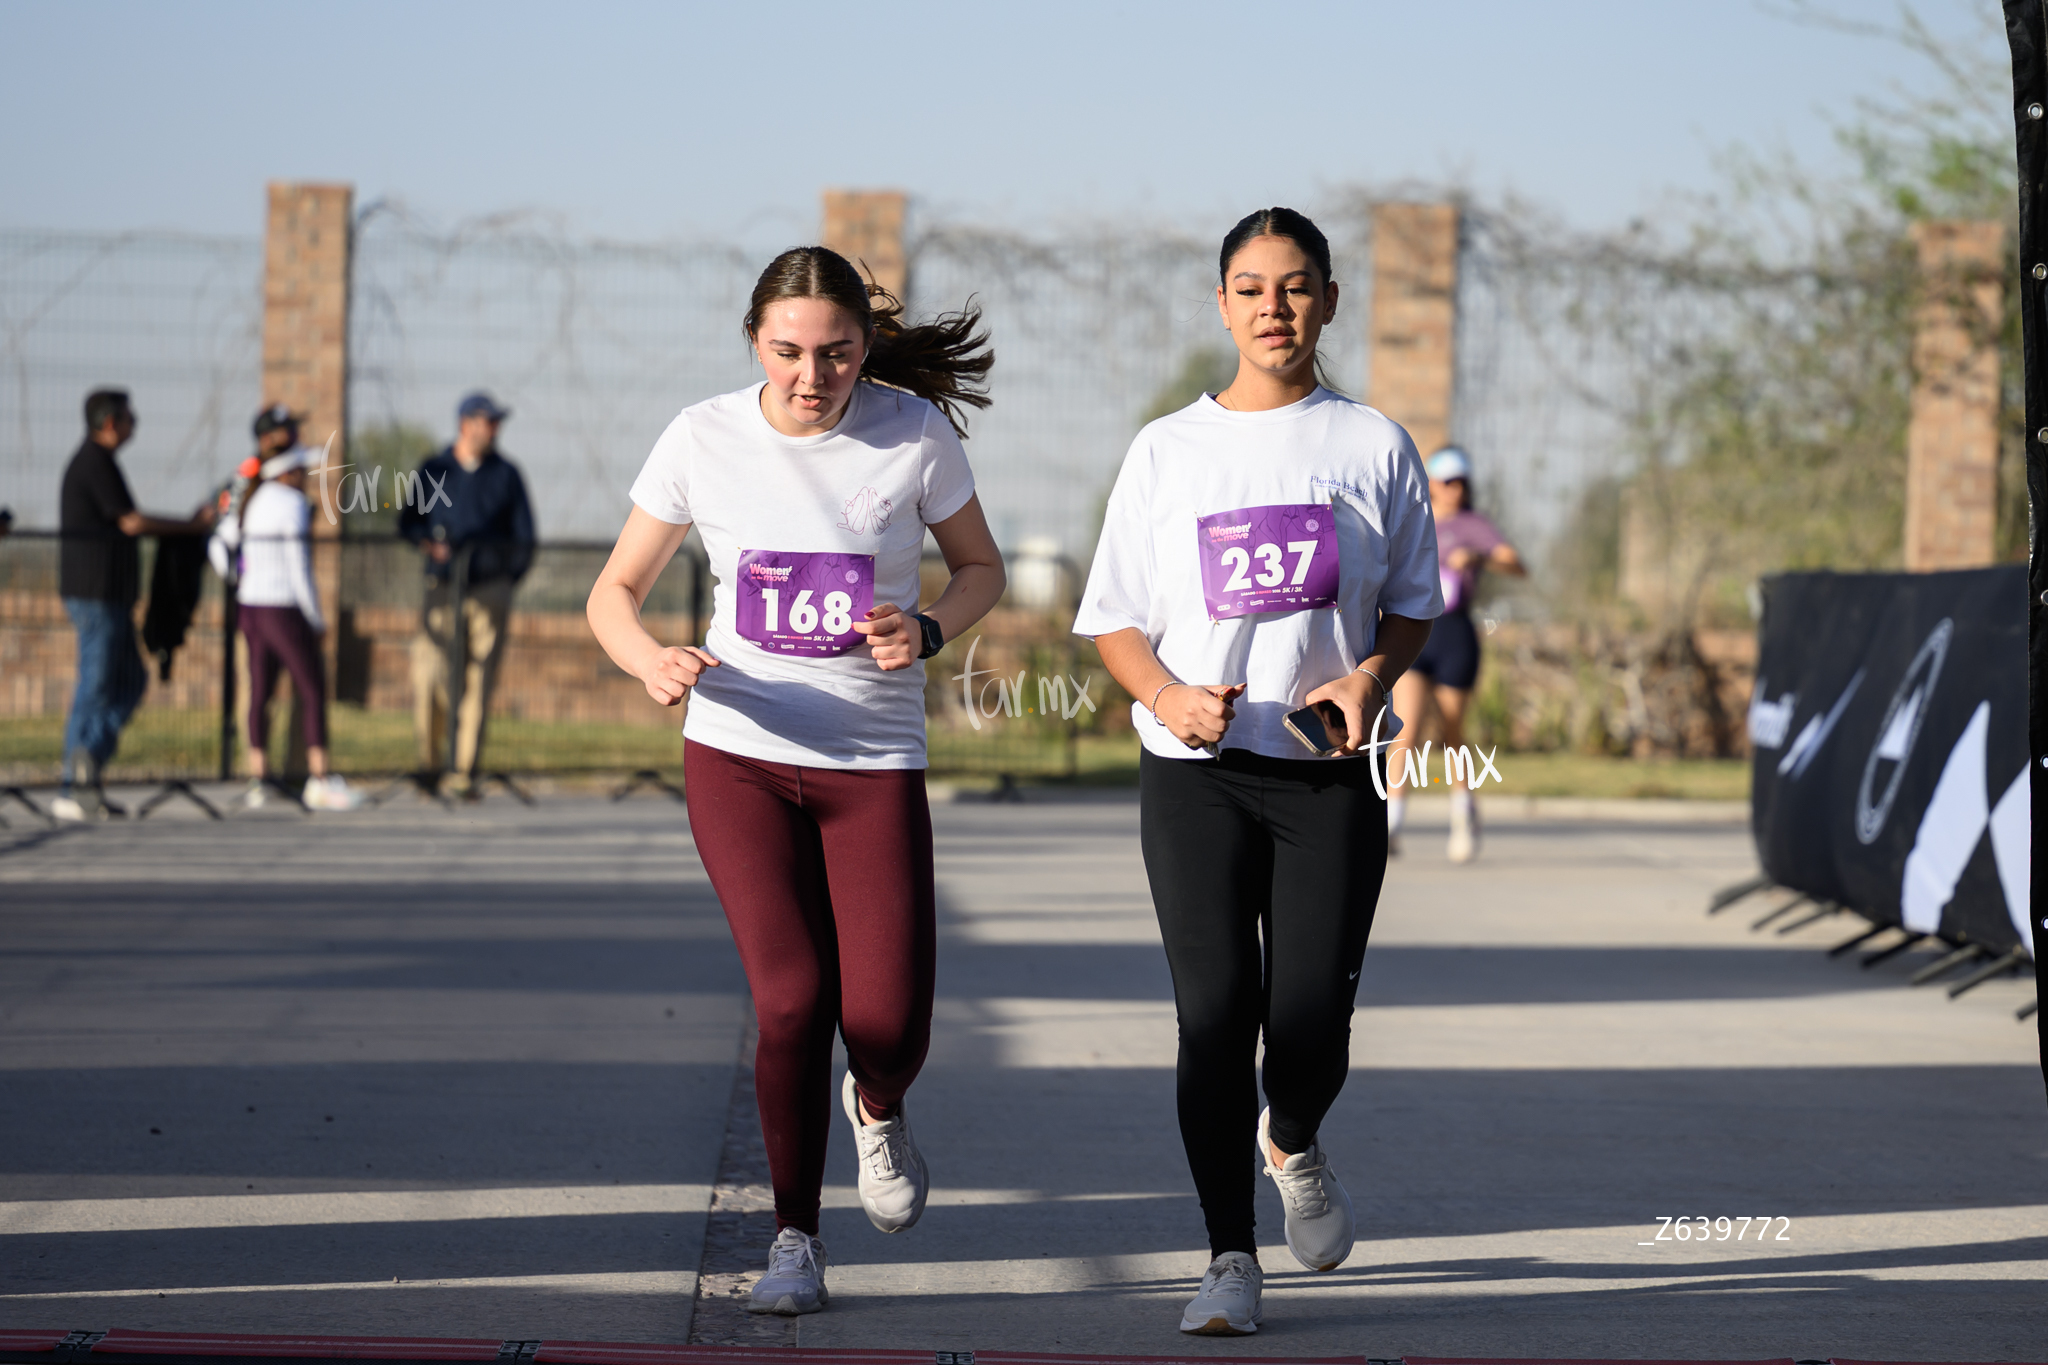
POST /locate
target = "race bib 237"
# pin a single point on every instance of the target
(1277, 558)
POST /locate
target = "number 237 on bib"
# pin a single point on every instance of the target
(1277, 558)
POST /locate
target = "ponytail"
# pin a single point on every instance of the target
(945, 361)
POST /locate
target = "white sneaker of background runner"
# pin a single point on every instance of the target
(1228, 1305)
(1320, 1223)
(1464, 845)
(892, 1174)
(795, 1282)
(330, 793)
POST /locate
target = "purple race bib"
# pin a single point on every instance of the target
(1453, 584)
(1280, 558)
(796, 602)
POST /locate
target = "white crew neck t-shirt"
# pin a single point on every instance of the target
(1206, 459)
(869, 486)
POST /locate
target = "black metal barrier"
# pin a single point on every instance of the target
(1889, 733)
(1890, 771)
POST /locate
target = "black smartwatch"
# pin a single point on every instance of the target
(934, 638)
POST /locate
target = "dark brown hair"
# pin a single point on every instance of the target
(1275, 222)
(944, 361)
(103, 405)
(1296, 228)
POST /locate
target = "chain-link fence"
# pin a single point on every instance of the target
(559, 705)
(595, 347)
(174, 319)
(1018, 696)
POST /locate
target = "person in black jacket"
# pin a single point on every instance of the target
(466, 508)
(99, 576)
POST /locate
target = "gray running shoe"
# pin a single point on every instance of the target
(1321, 1226)
(795, 1282)
(893, 1182)
(1228, 1305)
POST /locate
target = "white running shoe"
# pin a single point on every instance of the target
(893, 1182)
(795, 1282)
(1228, 1305)
(69, 808)
(330, 793)
(1464, 845)
(253, 796)
(1320, 1223)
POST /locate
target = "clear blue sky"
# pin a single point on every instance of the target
(653, 120)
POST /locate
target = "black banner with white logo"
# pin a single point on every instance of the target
(1889, 725)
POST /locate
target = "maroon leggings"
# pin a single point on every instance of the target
(283, 635)
(826, 878)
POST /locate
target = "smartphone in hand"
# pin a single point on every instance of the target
(1320, 726)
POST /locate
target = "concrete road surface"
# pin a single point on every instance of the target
(467, 1074)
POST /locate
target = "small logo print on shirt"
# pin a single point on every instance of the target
(1352, 977)
(864, 509)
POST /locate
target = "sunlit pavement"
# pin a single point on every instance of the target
(416, 1072)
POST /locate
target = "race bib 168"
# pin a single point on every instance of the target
(796, 602)
(1279, 558)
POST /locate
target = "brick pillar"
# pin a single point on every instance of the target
(1952, 440)
(1414, 315)
(305, 351)
(866, 227)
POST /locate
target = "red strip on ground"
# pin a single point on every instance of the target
(641, 1353)
(123, 1342)
(1036, 1358)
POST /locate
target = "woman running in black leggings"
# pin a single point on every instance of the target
(1266, 548)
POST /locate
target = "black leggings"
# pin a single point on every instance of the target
(1240, 848)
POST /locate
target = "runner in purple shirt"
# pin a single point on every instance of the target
(1467, 544)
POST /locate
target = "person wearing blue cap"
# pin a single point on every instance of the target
(1467, 543)
(466, 508)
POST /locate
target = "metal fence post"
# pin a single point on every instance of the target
(230, 612)
(458, 649)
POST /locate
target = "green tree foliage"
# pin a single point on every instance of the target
(389, 448)
(1771, 350)
(1206, 370)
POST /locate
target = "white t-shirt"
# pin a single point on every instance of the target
(869, 486)
(1205, 460)
(275, 540)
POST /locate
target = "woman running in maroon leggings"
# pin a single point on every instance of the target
(804, 743)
